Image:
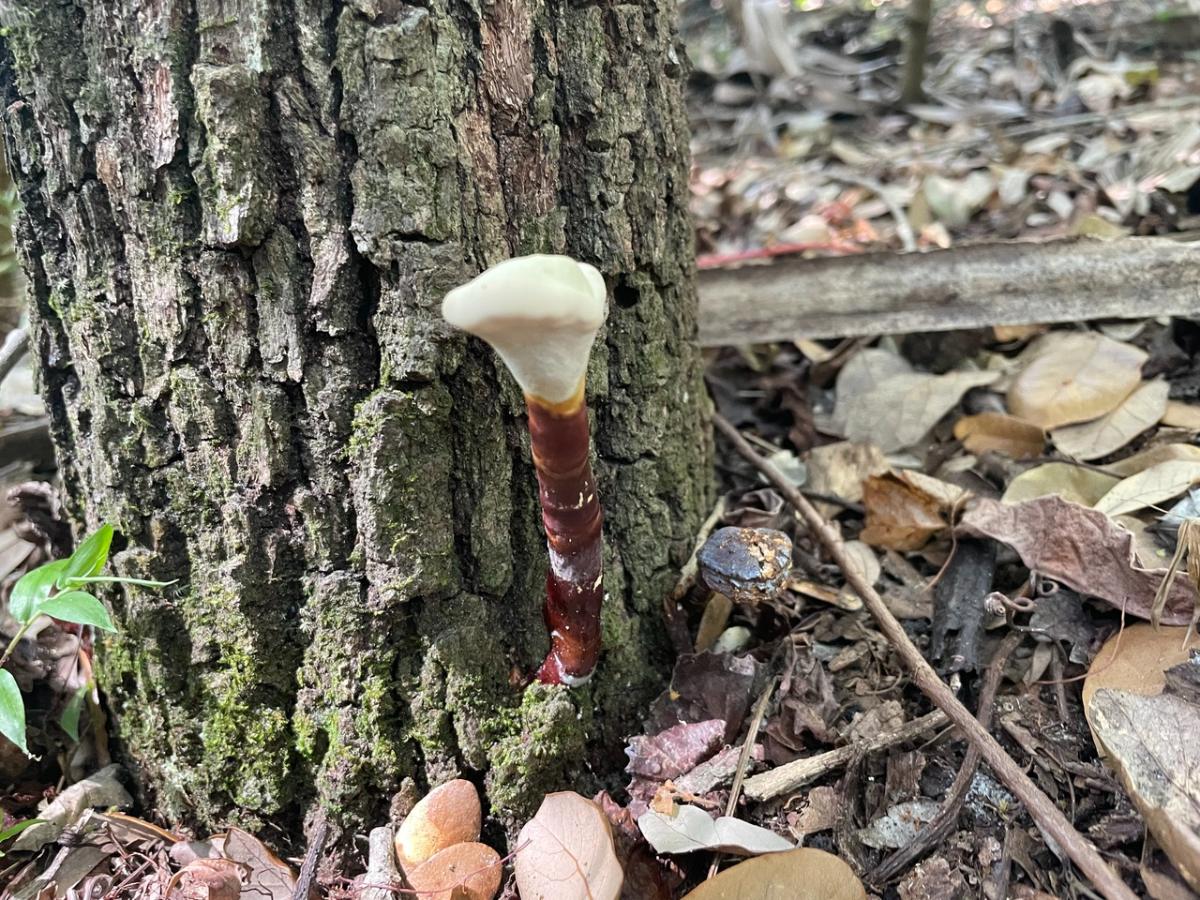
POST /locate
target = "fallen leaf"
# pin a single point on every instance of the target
(945, 493)
(707, 686)
(1152, 456)
(899, 516)
(900, 825)
(1000, 433)
(103, 789)
(1071, 482)
(1136, 659)
(1075, 378)
(467, 871)
(1080, 547)
(265, 874)
(867, 370)
(1139, 411)
(449, 814)
(646, 878)
(691, 829)
(1149, 552)
(839, 470)
(208, 879)
(1150, 487)
(865, 560)
(901, 410)
(1182, 415)
(565, 852)
(1160, 768)
(822, 810)
(936, 879)
(803, 874)
(954, 201)
(669, 754)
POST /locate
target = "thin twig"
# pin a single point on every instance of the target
(799, 772)
(1041, 808)
(936, 830)
(756, 720)
(13, 349)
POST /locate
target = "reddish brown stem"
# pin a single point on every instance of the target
(572, 516)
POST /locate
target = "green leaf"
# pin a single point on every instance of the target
(12, 711)
(7, 834)
(70, 716)
(32, 589)
(89, 557)
(78, 606)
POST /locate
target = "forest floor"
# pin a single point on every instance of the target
(1023, 500)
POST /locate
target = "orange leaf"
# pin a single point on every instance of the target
(899, 516)
(993, 431)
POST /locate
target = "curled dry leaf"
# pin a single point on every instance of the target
(468, 871)
(691, 829)
(1150, 742)
(1071, 482)
(565, 852)
(1000, 433)
(1150, 487)
(803, 874)
(840, 469)
(1075, 378)
(449, 814)
(1080, 547)
(1100, 437)
(899, 515)
(1152, 456)
(1136, 659)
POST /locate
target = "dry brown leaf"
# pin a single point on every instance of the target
(1139, 411)
(1075, 483)
(266, 876)
(1080, 547)
(449, 814)
(900, 411)
(1182, 415)
(944, 492)
(1001, 433)
(1075, 378)
(1150, 742)
(839, 470)
(1152, 456)
(1150, 487)
(208, 879)
(468, 871)
(565, 852)
(1135, 659)
(804, 874)
(899, 516)
(867, 370)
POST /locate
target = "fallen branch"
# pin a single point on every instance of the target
(967, 287)
(799, 772)
(1048, 817)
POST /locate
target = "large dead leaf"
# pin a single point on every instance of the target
(691, 829)
(900, 516)
(1075, 483)
(1150, 487)
(900, 412)
(1182, 415)
(1139, 411)
(1075, 378)
(864, 372)
(1152, 456)
(1080, 547)
(1000, 433)
(566, 852)
(804, 874)
(1135, 660)
(1151, 743)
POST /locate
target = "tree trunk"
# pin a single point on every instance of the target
(240, 219)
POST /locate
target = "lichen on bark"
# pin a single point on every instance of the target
(240, 220)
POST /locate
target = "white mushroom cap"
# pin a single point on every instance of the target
(541, 314)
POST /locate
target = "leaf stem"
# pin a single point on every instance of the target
(114, 579)
(12, 645)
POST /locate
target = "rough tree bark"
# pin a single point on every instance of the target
(240, 219)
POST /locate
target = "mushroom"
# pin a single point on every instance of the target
(746, 564)
(541, 314)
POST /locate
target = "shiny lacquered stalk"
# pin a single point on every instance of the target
(573, 519)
